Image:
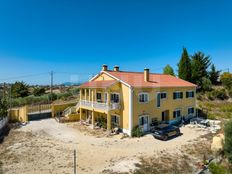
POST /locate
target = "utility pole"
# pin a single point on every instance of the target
(51, 84)
(75, 167)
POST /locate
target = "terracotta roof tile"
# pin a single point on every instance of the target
(136, 79)
(98, 84)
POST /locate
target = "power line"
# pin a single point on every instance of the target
(24, 76)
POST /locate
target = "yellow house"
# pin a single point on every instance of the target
(127, 99)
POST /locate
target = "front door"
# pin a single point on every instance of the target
(143, 122)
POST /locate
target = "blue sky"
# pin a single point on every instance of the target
(74, 38)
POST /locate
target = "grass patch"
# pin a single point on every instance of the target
(218, 169)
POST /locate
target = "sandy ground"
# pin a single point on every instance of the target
(46, 146)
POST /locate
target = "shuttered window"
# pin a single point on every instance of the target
(176, 113)
(190, 94)
(191, 110)
(177, 95)
(143, 97)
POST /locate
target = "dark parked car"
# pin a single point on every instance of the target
(165, 131)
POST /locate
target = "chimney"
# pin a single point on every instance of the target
(146, 74)
(104, 67)
(116, 68)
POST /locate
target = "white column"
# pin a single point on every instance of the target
(130, 110)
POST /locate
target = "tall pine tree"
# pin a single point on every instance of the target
(184, 66)
(214, 75)
(200, 64)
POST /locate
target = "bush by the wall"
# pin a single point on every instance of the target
(137, 132)
(228, 141)
(215, 168)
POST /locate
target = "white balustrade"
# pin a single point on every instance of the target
(98, 105)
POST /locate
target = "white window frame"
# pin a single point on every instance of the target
(144, 93)
(178, 109)
(98, 92)
(118, 116)
(157, 99)
(148, 120)
(117, 93)
(193, 110)
(163, 98)
(180, 93)
(190, 91)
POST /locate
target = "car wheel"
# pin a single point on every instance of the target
(165, 138)
(178, 133)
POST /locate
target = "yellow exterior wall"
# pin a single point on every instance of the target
(103, 77)
(169, 103)
(60, 108)
(19, 114)
(140, 109)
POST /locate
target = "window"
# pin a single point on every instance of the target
(114, 98)
(98, 96)
(177, 95)
(163, 95)
(143, 97)
(189, 94)
(190, 110)
(165, 115)
(158, 100)
(115, 121)
(176, 113)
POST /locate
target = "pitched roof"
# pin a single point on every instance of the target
(136, 79)
(98, 84)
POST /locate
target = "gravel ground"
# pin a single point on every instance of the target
(46, 146)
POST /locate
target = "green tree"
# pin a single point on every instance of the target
(19, 89)
(168, 70)
(184, 66)
(3, 108)
(200, 63)
(38, 91)
(206, 84)
(226, 79)
(214, 75)
(228, 141)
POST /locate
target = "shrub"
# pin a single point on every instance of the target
(217, 94)
(215, 168)
(206, 84)
(137, 131)
(226, 79)
(230, 92)
(38, 91)
(3, 108)
(228, 141)
(52, 97)
(221, 94)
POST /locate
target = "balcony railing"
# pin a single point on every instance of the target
(98, 105)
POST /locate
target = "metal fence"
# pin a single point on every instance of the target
(39, 108)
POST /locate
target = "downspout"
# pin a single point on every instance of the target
(130, 110)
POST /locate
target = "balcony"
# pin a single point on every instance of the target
(99, 105)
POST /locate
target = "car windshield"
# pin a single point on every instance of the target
(162, 127)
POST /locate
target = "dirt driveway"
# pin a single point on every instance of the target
(47, 147)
